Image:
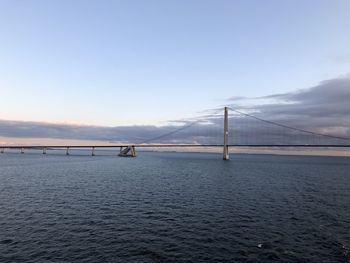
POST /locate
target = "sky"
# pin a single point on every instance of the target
(126, 63)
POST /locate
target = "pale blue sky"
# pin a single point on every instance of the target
(143, 62)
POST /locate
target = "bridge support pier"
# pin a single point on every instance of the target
(2, 150)
(93, 151)
(226, 153)
(22, 150)
(67, 151)
(44, 150)
(128, 151)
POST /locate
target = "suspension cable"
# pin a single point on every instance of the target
(289, 127)
(181, 128)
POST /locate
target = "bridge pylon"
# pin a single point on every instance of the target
(226, 153)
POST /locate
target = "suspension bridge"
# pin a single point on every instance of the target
(237, 129)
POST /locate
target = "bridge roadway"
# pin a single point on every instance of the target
(129, 150)
(167, 146)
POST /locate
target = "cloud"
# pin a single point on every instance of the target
(235, 98)
(62, 131)
(324, 108)
(125, 134)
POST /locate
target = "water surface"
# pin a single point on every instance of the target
(174, 207)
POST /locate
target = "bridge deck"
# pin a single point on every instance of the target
(168, 146)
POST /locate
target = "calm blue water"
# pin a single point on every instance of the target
(174, 207)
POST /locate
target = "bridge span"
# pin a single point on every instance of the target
(129, 149)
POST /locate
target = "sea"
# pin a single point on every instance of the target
(173, 207)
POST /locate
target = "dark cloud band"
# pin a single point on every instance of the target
(324, 108)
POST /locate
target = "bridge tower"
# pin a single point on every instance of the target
(226, 153)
